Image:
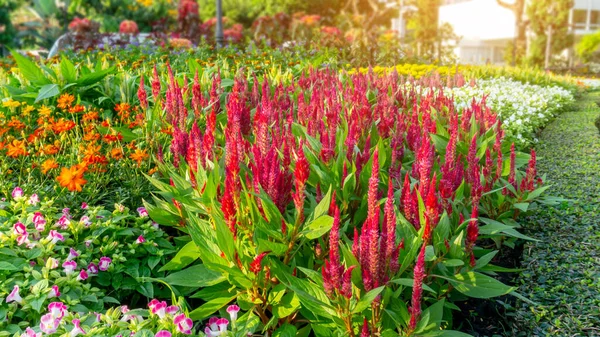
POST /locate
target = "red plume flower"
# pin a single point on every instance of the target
(256, 265)
(419, 276)
(141, 94)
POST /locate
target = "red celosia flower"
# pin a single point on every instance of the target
(141, 93)
(256, 265)
(156, 86)
(365, 329)
(419, 276)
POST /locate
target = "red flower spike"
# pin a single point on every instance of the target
(141, 94)
(256, 265)
(156, 86)
(346, 289)
(365, 329)
(512, 174)
(419, 276)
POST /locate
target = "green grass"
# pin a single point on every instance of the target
(562, 271)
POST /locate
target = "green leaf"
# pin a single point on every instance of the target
(409, 282)
(290, 303)
(67, 69)
(30, 70)
(93, 78)
(447, 333)
(7, 266)
(366, 300)
(184, 257)
(210, 307)
(318, 227)
(477, 285)
(47, 91)
(286, 330)
(194, 276)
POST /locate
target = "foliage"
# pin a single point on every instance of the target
(543, 14)
(85, 257)
(587, 48)
(558, 273)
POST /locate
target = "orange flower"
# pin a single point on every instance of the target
(16, 149)
(65, 101)
(113, 138)
(117, 153)
(76, 109)
(48, 165)
(90, 116)
(16, 124)
(152, 171)
(51, 149)
(123, 110)
(62, 125)
(72, 177)
(139, 156)
(44, 111)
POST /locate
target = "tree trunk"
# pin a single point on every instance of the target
(548, 48)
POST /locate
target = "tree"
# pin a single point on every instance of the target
(587, 49)
(519, 46)
(549, 21)
(426, 28)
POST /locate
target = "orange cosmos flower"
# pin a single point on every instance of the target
(123, 110)
(76, 109)
(51, 149)
(44, 111)
(65, 101)
(16, 148)
(16, 124)
(117, 153)
(90, 116)
(72, 177)
(62, 125)
(139, 156)
(48, 165)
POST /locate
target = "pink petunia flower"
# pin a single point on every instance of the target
(49, 324)
(160, 309)
(19, 229)
(63, 222)
(222, 323)
(34, 199)
(142, 212)
(29, 332)
(85, 220)
(140, 239)
(92, 268)
(77, 330)
(163, 333)
(24, 239)
(54, 292)
(52, 263)
(184, 324)
(84, 205)
(39, 221)
(69, 267)
(233, 310)
(17, 193)
(104, 263)
(72, 254)
(14, 296)
(57, 309)
(172, 309)
(55, 236)
(83, 275)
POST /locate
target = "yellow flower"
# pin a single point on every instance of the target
(27, 110)
(11, 104)
(45, 111)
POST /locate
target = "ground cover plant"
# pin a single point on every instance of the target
(559, 268)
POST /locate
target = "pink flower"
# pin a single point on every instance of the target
(63, 222)
(55, 236)
(88, 243)
(128, 27)
(140, 239)
(54, 292)
(24, 239)
(72, 254)
(104, 263)
(69, 267)
(83, 275)
(233, 310)
(29, 332)
(160, 309)
(92, 268)
(222, 323)
(48, 324)
(142, 212)
(34, 199)
(183, 324)
(85, 220)
(66, 212)
(17, 193)
(14, 296)
(163, 333)
(77, 330)
(153, 303)
(172, 309)
(39, 221)
(57, 309)
(84, 205)
(19, 229)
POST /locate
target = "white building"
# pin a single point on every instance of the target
(486, 28)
